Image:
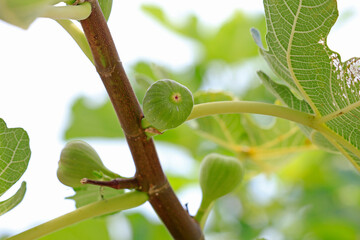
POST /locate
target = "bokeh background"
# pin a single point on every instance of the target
(292, 190)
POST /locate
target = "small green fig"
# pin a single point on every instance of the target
(219, 175)
(167, 104)
(79, 160)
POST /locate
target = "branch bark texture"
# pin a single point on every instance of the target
(149, 173)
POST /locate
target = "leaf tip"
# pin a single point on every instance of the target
(257, 37)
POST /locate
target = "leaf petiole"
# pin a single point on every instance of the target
(78, 36)
(227, 107)
(203, 212)
(121, 202)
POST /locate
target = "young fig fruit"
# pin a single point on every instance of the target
(167, 104)
(219, 175)
(79, 160)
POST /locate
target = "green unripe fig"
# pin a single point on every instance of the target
(167, 104)
(79, 160)
(219, 175)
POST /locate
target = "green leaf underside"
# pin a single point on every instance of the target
(226, 127)
(282, 92)
(91, 193)
(14, 155)
(298, 54)
(10, 203)
(241, 135)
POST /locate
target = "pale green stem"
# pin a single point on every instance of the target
(203, 212)
(226, 107)
(78, 12)
(121, 202)
(78, 36)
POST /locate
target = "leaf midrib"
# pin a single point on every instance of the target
(288, 59)
(12, 156)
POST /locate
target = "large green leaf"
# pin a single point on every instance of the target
(14, 159)
(14, 155)
(329, 89)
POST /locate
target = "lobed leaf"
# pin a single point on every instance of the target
(14, 159)
(322, 84)
(14, 155)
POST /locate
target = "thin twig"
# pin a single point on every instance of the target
(118, 183)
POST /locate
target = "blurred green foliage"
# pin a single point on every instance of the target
(142, 228)
(316, 194)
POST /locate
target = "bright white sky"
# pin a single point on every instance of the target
(42, 71)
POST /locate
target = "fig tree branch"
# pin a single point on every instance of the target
(149, 173)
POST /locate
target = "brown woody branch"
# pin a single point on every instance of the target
(149, 174)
